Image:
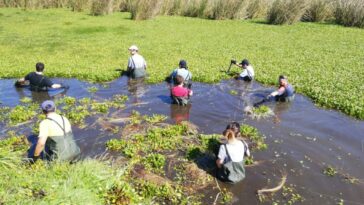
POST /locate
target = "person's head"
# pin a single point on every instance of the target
(183, 64)
(48, 106)
(235, 127)
(39, 67)
(282, 80)
(229, 134)
(245, 63)
(133, 49)
(179, 80)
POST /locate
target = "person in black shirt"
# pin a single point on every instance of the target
(37, 81)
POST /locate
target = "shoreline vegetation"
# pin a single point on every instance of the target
(323, 61)
(149, 161)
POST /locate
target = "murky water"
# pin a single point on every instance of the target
(302, 138)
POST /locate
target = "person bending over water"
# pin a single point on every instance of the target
(230, 159)
(180, 95)
(37, 81)
(248, 71)
(285, 92)
(55, 135)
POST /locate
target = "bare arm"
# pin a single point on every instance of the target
(40, 145)
(219, 163)
(280, 91)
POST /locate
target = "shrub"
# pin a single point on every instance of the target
(350, 13)
(227, 9)
(79, 5)
(318, 11)
(144, 9)
(258, 8)
(286, 11)
(101, 7)
(171, 7)
(193, 8)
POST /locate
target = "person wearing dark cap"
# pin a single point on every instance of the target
(248, 71)
(37, 81)
(285, 92)
(55, 136)
(182, 71)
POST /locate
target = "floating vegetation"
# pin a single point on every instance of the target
(330, 171)
(233, 92)
(22, 113)
(26, 100)
(155, 118)
(92, 89)
(254, 136)
(261, 112)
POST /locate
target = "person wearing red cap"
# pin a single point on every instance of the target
(55, 134)
(136, 63)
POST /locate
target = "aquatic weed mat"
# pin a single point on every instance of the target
(322, 61)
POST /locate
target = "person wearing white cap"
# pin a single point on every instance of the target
(55, 135)
(136, 63)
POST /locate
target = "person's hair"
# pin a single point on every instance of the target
(39, 67)
(179, 80)
(245, 62)
(282, 77)
(235, 127)
(229, 134)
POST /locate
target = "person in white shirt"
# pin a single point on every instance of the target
(136, 63)
(248, 71)
(230, 159)
(182, 71)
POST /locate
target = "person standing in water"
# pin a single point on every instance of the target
(136, 63)
(37, 81)
(182, 71)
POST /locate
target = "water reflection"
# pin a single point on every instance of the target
(180, 113)
(137, 88)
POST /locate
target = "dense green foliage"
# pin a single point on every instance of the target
(322, 61)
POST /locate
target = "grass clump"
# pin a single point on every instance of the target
(319, 11)
(286, 11)
(350, 13)
(155, 162)
(262, 111)
(101, 7)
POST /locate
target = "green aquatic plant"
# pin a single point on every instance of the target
(249, 160)
(100, 107)
(21, 114)
(254, 136)
(118, 101)
(92, 89)
(26, 100)
(155, 162)
(155, 118)
(330, 171)
(233, 92)
(340, 88)
(262, 112)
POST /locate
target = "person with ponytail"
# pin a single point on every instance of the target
(230, 159)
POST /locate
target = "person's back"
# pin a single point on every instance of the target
(182, 71)
(136, 63)
(38, 82)
(56, 135)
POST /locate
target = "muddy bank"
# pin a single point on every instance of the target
(303, 139)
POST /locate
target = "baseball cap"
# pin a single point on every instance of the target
(183, 64)
(133, 47)
(245, 62)
(48, 105)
